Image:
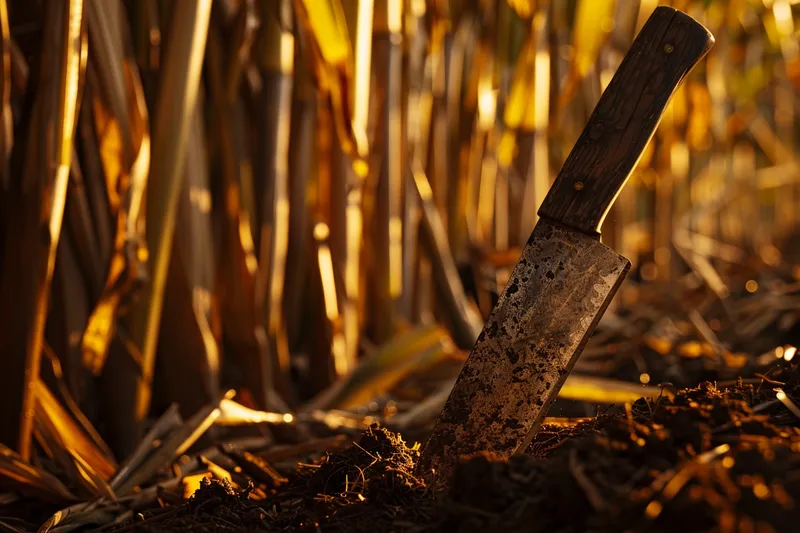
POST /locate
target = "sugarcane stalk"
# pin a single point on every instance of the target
(176, 103)
(35, 212)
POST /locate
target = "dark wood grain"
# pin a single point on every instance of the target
(667, 48)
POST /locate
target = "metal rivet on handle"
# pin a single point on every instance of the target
(578, 185)
(669, 48)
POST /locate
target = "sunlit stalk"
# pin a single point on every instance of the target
(464, 320)
(176, 102)
(387, 246)
(301, 165)
(537, 182)
(42, 188)
(275, 127)
(6, 119)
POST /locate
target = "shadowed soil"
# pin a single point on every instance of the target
(700, 460)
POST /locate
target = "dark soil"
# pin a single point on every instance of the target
(703, 460)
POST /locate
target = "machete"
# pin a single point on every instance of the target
(565, 277)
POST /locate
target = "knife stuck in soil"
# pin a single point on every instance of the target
(565, 277)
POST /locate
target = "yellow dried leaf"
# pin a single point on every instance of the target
(676, 111)
(700, 117)
(793, 71)
(235, 414)
(593, 23)
(708, 350)
(111, 147)
(506, 148)
(31, 480)
(661, 345)
(603, 390)
(218, 472)
(382, 370)
(191, 484)
(735, 360)
(327, 21)
(78, 444)
(122, 125)
(99, 332)
(520, 94)
(523, 8)
(691, 349)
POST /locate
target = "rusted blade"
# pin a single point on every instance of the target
(556, 294)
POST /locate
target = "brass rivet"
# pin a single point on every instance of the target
(669, 48)
(578, 185)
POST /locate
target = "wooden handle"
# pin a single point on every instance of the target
(667, 48)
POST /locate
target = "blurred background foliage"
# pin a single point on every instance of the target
(304, 200)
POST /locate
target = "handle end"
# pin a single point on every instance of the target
(667, 48)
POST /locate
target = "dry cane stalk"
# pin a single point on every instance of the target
(34, 216)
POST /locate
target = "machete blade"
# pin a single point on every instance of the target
(555, 296)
